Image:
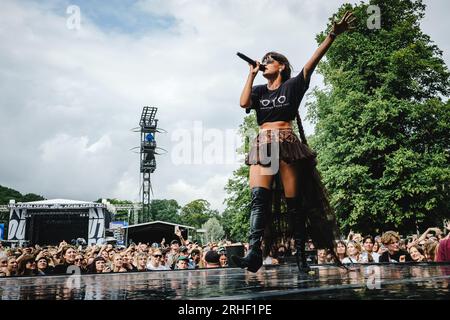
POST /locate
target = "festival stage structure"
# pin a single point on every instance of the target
(155, 231)
(49, 222)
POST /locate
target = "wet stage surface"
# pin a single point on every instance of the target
(392, 281)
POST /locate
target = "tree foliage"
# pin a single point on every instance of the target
(235, 218)
(7, 194)
(383, 122)
(160, 209)
(165, 210)
(214, 231)
(197, 212)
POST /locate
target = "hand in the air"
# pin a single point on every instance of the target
(345, 23)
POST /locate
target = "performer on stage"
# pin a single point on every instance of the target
(276, 104)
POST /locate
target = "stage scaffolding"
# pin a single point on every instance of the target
(148, 125)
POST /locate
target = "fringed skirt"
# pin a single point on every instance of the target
(284, 145)
(290, 148)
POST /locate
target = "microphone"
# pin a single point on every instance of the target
(251, 61)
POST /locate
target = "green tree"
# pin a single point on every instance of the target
(214, 231)
(229, 226)
(165, 210)
(382, 126)
(32, 197)
(7, 194)
(236, 215)
(197, 212)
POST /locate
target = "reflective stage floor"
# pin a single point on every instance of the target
(393, 281)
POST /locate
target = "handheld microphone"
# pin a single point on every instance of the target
(251, 61)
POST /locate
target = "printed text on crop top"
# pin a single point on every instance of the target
(280, 104)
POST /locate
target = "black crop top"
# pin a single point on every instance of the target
(280, 104)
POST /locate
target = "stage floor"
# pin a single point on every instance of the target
(392, 281)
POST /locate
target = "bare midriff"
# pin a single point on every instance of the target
(276, 125)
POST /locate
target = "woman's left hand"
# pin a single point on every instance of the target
(344, 24)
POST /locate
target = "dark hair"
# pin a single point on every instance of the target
(286, 73)
(22, 270)
(212, 257)
(42, 257)
(341, 242)
(368, 237)
(92, 268)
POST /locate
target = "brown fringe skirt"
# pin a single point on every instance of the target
(320, 220)
(291, 149)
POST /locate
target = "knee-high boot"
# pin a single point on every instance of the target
(260, 202)
(298, 217)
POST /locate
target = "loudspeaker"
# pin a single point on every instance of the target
(234, 250)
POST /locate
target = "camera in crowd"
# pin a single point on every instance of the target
(78, 242)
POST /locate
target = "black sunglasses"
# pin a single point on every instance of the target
(268, 60)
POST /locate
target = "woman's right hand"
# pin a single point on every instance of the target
(245, 100)
(254, 70)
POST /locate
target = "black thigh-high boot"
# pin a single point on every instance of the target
(260, 202)
(298, 217)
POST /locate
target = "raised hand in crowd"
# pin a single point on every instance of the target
(350, 235)
(423, 237)
(178, 233)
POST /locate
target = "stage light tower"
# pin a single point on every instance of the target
(148, 125)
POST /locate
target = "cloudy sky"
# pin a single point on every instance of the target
(71, 93)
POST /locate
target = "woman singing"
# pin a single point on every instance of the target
(277, 149)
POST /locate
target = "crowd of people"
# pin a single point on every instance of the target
(54, 260)
(432, 246)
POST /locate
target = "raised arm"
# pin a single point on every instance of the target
(178, 233)
(338, 28)
(423, 237)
